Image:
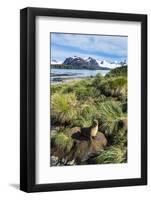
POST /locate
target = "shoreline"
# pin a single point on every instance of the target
(64, 76)
(68, 79)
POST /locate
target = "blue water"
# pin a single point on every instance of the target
(75, 73)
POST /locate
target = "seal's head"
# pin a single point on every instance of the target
(95, 123)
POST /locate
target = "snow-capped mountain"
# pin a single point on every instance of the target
(107, 64)
(81, 63)
(55, 62)
(89, 63)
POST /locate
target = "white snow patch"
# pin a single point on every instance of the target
(55, 62)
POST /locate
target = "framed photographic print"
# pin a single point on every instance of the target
(83, 99)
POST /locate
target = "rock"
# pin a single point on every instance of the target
(82, 148)
(86, 148)
(72, 162)
(54, 130)
(99, 141)
(54, 160)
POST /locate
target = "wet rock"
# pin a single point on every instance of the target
(72, 162)
(85, 148)
(82, 148)
(54, 130)
(54, 160)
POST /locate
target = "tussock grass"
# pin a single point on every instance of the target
(62, 142)
(113, 154)
(78, 103)
(110, 115)
(119, 71)
(64, 107)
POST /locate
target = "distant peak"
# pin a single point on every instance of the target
(75, 57)
(91, 62)
(54, 61)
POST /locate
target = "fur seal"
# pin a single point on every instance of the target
(94, 129)
(91, 131)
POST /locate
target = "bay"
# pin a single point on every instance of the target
(59, 75)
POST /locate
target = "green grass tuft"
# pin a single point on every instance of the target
(119, 71)
(112, 154)
(110, 114)
(64, 107)
(62, 142)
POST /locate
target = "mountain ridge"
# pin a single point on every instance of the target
(77, 62)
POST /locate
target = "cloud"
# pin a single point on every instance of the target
(99, 46)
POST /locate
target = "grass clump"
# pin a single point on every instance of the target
(82, 89)
(97, 80)
(88, 112)
(110, 116)
(62, 142)
(112, 154)
(114, 87)
(119, 71)
(64, 107)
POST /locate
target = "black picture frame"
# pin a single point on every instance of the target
(28, 99)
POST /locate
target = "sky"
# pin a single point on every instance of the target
(101, 47)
